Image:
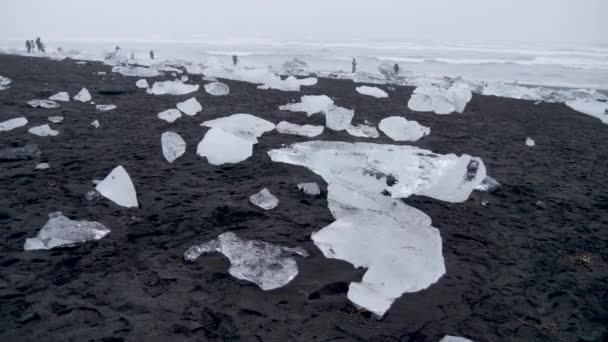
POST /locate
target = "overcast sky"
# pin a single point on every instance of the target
(569, 21)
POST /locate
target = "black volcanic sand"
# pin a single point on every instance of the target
(516, 271)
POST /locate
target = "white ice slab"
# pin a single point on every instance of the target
(244, 125)
(310, 131)
(118, 188)
(372, 91)
(339, 118)
(43, 131)
(310, 188)
(42, 166)
(190, 107)
(62, 96)
(594, 108)
(83, 95)
(311, 104)
(11, 124)
(217, 89)
(60, 231)
(530, 142)
(55, 119)
(264, 199)
(48, 104)
(400, 129)
(449, 338)
(142, 84)
(221, 147)
(267, 265)
(95, 123)
(170, 115)
(105, 108)
(363, 131)
(173, 88)
(173, 146)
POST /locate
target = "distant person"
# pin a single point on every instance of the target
(39, 44)
(33, 45)
(396, 69)
(235, 60)
(28, 46)
(354, 65)
(151, 54)
(132, 55)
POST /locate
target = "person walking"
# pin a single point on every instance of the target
(39, 44)
(151, 54)
(28, 46)
(396, 69)
(354, 65)
(235, 60)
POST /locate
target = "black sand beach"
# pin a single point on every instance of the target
(516, 270)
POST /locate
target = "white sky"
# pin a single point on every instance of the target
(568, 21)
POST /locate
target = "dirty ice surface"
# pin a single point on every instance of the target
(372, 91)
(267, 265)
(48, 104)
(62, 96)
(170, 115)
(173, 146)
(142, 84)
(60, 231)
(4, 82)
(105, 108)
(310, 188)
(339, 118)
(173, 88)
(11, 124)
(217, 89)
(310, 131)
(190, 107)
(118, 188)
(400, 129)
(363, 131)
(55, 118)
(489, 184)
(43, 131)
(310, 104)
(264, 199)
(596, 109)
(83, 95)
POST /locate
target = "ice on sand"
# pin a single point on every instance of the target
(311, 104)
(173, 146)
(42, 166)
(285, 127)
(4, 82)
(217, 89)
(267, 265)
(62, 96)
(363, 131)
(95, 123)
(530, 142)
(209, 79)
(105, 108)
(261, 76)
(489, 184)
(339, 118)
(296, 67)
(173, 88)
(243, 125)
(55, 119)
(310, 188)
(221, 147)
(264, 199)
(48, 104)
(190, 107)
(170, 115)
(43, 131)
(142, 84)
(11, 124)
(400, 129)
(441, 100)
(118, 188)
(136, 71)
(60, 231)
(596, 109)
(83, 95)
(449, 338)
(372, 91)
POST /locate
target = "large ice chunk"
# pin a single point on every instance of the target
(339, 118)
(594, 108)
(4, 82)
(264, 199)
(221, 147)
(363, 131)
(142, 84)
(170, 115)
(61, 96)
(118, 188)
(175, 87)
(217, 89)
(60, 231)
(400, 129)
(83, 95)
(136, 71)
(43, 131)
(372, 91)
(304, 130)
(48, 104)
(434, 98)
(11, 124)
(190, 107)
(173, 146)
(311, 104)
(244, 125)
(267, 265)
(105, 108)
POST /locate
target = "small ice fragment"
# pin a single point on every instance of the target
(118, 188)
(83, 95)
(488, 184)
(310, 188)
(363, 131)
(61, 231)
(101, 73)
(42, 166)
(176, 87)
(184, 78)
(267, 265)
(43, 131)
(92, 195)
(310, 131)
(400, 129)
(105, 108)
(48, 104)
(190, 107)
(11, 124)
(311, 104)
(372, 91)
(170, 115)
(62, 96)
(449, 338)
(209, 79)
(217, 89)
(339, 118)
(221, 147)
(135, 71)
(143, 84)
(55, 119)
(95, 123)
(264, 199)
(530, 142)
(173, 146)
(96, 181)
(4, 82)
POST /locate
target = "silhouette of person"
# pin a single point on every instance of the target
(235, 60)
(28, 46)
(151, 54)
(396, 69)
(354, 65)
(39, 44)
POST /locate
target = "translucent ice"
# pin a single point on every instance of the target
(243, 125)
(267, 265)
(118, 188)
(43, 104)
(105, 108)
(170, 115)
(95, 123)
(339, 118)
(55, 119)
(530, 142)
(142, 84)
(43, 131)
(61, 231)
(217, 89)
(221, 147)
(310, 188)
(62, 96)
(264, 199)
(441, 100)
(190, 107)
(11, 124)
(594, 108)
(209, 79)
(4, 82)
(311, 104)
(83, 95)
(400, 129)
(372, 91)
(173, 88)
(304, 130)
(136, 71)
(173, 146)
(363, 131)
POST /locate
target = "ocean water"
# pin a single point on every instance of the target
(558, 65)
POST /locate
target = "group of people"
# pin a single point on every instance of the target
(32, 45)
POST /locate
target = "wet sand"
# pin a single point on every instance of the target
(516, 271)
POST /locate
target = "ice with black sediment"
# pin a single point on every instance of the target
(489, 184)
(60, 231)
(264, 199)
